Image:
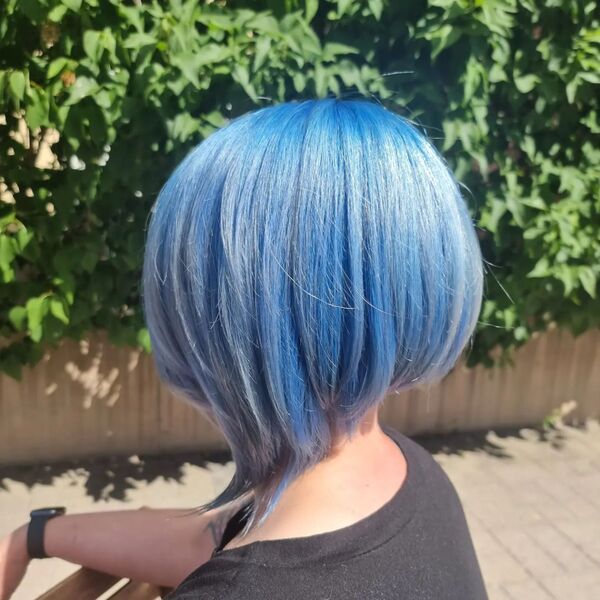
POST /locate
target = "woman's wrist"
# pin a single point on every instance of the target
(61, 537)
(14, 560)
(18, 543)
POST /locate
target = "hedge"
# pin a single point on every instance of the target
(100, 100)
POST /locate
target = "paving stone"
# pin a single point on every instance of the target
(527, 590)
(576, 503)
(583, 534)
(500, 567)
(496, 507)
(561, 548)
(585, 586)
(528, 553)
(484, 543)
(497, 592)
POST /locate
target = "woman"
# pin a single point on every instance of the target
(302, 263)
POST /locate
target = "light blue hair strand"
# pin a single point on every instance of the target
(301, 263)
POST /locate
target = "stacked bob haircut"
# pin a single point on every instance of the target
(302, 262)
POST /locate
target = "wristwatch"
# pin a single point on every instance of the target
(35, 530)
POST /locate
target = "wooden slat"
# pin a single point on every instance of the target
(138, 591)
(84, 584)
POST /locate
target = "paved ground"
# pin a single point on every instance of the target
(533, 505)
(532, 501)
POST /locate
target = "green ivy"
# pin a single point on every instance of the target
(100, 100)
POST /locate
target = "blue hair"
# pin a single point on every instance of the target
(301, 263)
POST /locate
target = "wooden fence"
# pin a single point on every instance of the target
(92, 399)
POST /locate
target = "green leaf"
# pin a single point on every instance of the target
(473, 78)
(541, 269)
(310, 9)
(17, 315)
(587, 276)
(263, 45)
(526, 83)
(343, 6)
(265, 23)
(376, 7)
(515, 206)
(56, 67)
(521, 333)
(535, 202)
(240, 74)
(332, 49)
(183, 126)
(143, 338)
(57, 13)
(7, 255)
(591, 77)
(16, 85)
(139, 40)
(191, 63)
(36, 309)
(37, 112)
(568, 276)
(57, 309)
(497, 74)
(74, 5)
(66, 284)
(91, 44)
(571, 89)
(442, 38)
(299, 81)
(321, 80)
(495, 210)
(82, 88)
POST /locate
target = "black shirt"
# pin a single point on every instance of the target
(415, 547)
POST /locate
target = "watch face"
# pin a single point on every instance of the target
(51, 511)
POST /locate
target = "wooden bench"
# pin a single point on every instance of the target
(86, 584)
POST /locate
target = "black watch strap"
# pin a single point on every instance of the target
(35, 530)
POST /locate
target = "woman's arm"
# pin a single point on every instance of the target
(157, 546)
(153, 545)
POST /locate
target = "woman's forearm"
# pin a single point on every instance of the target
(153, 545)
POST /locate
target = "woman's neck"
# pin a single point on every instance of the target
(361, 474)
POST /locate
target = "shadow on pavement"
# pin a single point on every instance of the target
(490, 441)
(113, 477)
